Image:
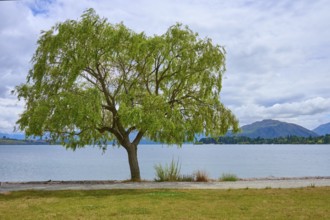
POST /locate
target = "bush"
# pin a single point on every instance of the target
(228, 177)
(168, 172)
(201, 176)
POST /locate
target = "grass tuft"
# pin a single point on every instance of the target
(201, 176)
(312, 185)
(228, 177)
(169, 172)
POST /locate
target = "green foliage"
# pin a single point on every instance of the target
(93, 81)
(169, 172)
(280, 140)
(228, 177)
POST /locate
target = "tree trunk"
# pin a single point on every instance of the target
(133, 163)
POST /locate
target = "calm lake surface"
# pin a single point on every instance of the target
(42, 162)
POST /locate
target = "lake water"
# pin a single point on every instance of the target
(41, 163)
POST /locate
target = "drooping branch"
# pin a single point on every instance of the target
(108, 107)
(105, 128)
(163, 74)
(120, 137)
(107, 95)
(116, 128)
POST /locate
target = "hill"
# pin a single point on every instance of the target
(9, 141)
(274, 129)
(267, 129)
(323, 129)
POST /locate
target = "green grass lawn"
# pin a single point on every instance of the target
(304, 203)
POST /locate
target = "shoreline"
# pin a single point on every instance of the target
(253, 183)
(150, 181)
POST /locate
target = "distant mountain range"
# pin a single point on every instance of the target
(323, 129)
(264, 129)
(274, 129)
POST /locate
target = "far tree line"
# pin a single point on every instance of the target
(325, 139)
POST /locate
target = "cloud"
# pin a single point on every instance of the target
(290, 111)
(278, 60)
(9, 109)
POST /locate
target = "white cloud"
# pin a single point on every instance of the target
(9, 109)
(277, 51)
(290, 111)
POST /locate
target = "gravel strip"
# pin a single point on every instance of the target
(93, 185)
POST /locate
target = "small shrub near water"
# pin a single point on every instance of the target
(312, 185)
(228, 177)
(201, 176)
(169, 172)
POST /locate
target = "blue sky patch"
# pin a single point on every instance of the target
(40, 7)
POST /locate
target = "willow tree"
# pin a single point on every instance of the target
(92, 82)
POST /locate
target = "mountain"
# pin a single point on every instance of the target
(323, 129)
(273, 129)
(264, 129)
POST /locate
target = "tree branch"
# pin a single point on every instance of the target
(105, 128)
(130, 130)
(138, 138)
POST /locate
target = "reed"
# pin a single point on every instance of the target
(168, 172)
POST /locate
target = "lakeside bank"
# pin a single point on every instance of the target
(97, 185)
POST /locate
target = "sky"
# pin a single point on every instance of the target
(278, 51)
